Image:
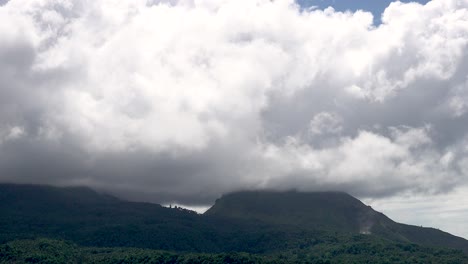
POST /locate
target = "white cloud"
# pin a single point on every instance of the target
(458, 101)
(325, 123)
(11, 133)
(368, 164)
(174, 98)
(150, 73)
(355, 90)
(14, 133)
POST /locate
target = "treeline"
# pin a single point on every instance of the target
(58, 251)
(56, 225)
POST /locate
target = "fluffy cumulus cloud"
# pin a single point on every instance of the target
(184, 100)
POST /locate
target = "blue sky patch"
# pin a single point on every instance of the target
(375, 6)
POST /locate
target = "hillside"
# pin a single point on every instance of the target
(90, 218)
(335, 225)
(321, 210)
(333, 211)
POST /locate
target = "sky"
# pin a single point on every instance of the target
(181, 101)
(373, 6)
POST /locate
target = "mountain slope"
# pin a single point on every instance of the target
(329, 210)
(254, 222)
(333, 211)
(90, 218)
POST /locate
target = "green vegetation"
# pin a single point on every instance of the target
(42, 224)
(331, 211)
(357, 251)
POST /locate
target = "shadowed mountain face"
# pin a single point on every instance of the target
(332, 211)
(321, 210)
(90, 218)
(256, 221)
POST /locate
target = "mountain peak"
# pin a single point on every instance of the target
(331, 210)
(89, 217)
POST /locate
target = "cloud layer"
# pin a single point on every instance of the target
(184, 100)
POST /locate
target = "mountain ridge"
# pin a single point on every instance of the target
(247, 221)
(306, 209)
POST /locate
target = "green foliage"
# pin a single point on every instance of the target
(249, 227)
(329, 211)
(39, 251)
(354, 250)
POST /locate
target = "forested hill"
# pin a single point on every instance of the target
(259, 222)
(334, 211)
(318, 210)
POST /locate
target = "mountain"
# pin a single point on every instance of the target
(268, 223)
(333, 211)
(90, 218)
(320, 210)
